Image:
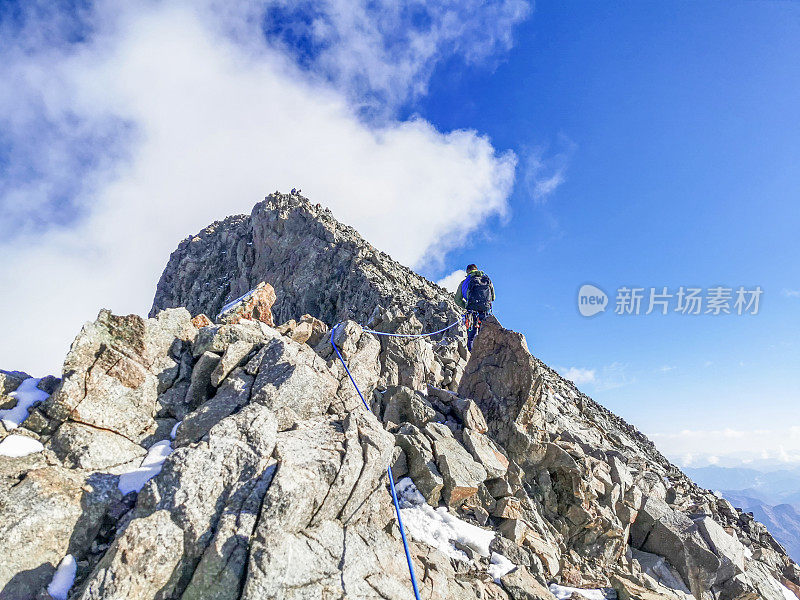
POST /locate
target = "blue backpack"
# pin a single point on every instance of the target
(479, 293)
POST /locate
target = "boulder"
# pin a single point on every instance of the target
(84, 447)
(201, 320)
(486, 452)
(256, 305)
(293, 382)
(521, 585)
(234, 393)
(115, 369)
(200, 386)
(660, 530)
(504, 380)
(404, 405)
(462, 474)
(421, 462)
(469, 414)
(49, 513)
(318, 329)
(177, 513)
(233, 356)
(140, 562)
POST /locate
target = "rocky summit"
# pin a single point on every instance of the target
(219, 450)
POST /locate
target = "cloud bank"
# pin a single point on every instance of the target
(124, 131)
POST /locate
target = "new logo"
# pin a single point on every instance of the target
(591, 300)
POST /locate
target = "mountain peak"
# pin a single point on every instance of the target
(316, 264)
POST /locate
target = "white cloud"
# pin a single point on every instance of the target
(452, 281)
(157, 124)
(666, 368)
(544, 172)
(577, 375)
(791, 293)
(729, 447)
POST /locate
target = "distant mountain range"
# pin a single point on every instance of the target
(772, 496)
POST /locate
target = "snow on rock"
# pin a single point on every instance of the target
(438, 528)
(134, 481)
(19, 445)
(174, 431)
(563, 592)
(27, 394)
(499, 566)
(787, 593)
(63, 578)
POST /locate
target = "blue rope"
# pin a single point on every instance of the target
(388, 470)
(339, 354)
(403, 533)
(411, 335)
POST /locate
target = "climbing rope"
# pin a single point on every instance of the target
(412, 335)
(389, 468)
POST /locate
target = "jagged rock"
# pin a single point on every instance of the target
(200, 387)
(292, 381)
(234, 393)
(502, 377)
(217, 338)
(140, 562)
(470, 414)
(337, 276)
(85, 447)
(405, 405)
(421, 462)
(197, 484)
(318, 329)
(521, 585)
(486, 452)
(256, 305)
(51, 512)
(231, 358)
(661, 530)
(111, 374)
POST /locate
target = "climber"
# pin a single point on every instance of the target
(475, 294)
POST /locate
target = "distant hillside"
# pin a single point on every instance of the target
(782, 521)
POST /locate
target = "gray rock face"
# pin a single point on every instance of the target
(51, 512)
(337, 276)
(277, 485)
(112, 378)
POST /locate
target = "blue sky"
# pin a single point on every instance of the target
(680, 127)
(628, 143)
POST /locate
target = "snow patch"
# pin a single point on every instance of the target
(174, 431)
(19, 445)
(787, 593)
(438, 528)
(27, 394)
(63, 578)
(133, 481)
(563, 592)
(499, 566)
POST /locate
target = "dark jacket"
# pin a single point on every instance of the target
(463, 290)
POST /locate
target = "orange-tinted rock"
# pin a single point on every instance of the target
(201, 321)
(255, 305)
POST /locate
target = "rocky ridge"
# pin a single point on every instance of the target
(187, 458)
